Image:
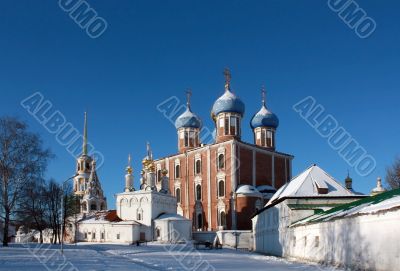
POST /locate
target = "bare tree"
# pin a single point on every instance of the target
(22, 159)
(53, 202)
(393, 175)
(32, 211)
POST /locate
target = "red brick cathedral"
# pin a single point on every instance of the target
(221, 185)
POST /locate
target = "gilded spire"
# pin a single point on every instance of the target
(149, 152)
(84, 147)
(228, 76)
(129, 168)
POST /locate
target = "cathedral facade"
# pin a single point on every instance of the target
(221, 185)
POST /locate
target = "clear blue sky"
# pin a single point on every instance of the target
(156, 49)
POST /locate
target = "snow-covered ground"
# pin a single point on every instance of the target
(151, 257)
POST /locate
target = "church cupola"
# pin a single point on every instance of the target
(188, 126)
(349, 182)
(129, 176)
(264, 124)
(227, 113)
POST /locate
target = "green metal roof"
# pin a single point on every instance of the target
(327, 215)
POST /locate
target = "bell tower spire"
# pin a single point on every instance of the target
(84, 146)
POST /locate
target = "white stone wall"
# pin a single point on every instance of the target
(367, 242)
(127, 233)
(236, 239)
(173, 231)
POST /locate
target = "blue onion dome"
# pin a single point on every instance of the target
(228, 103)
(264, 117)
(188, 119)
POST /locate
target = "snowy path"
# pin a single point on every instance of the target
(87, 257)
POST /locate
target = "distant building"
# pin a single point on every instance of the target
(221, 185)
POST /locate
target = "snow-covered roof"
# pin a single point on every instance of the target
(371, 205)
(109, 216)
(170, 217)
(314, 182)
(248, 190)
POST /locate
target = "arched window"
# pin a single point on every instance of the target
(233, 125)
(221, 161)
(178, 195)
(198, 192)
(269, 139)
(84, 207)
(158, 232)
(222, 219)
(263, 138)
(221, 188)
(197, 168)
(199, 221)
(93, 207)
(139, 214)
(159, 175)
(177, 171)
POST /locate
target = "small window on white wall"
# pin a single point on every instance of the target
(139, 214)
(316, 241)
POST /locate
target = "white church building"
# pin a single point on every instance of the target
(314, 218)
(149, 214)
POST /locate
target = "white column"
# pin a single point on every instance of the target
(209, 188)
(233, 184)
